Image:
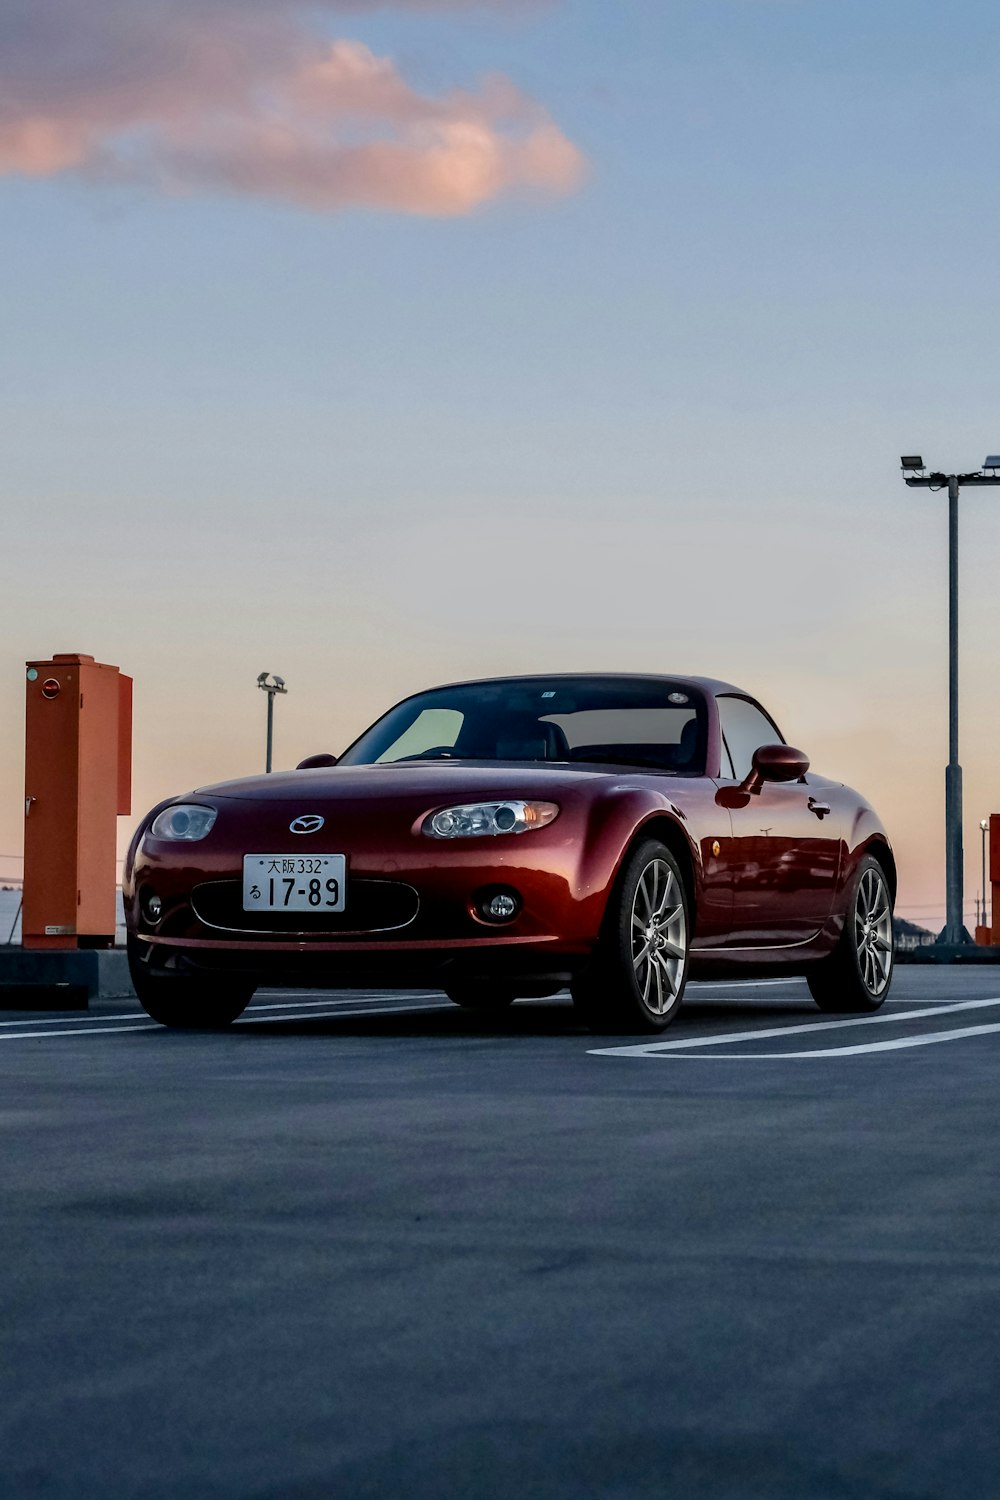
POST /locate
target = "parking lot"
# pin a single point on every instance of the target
(376, 1246)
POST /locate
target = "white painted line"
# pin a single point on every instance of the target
(65, 1017)
(325, 1004)
(342, 1015)
(920, 1000)
(27, 1036)
(654, 1049)
(245, 1020)
(140, 1015)
(92, 1025)
(925, 1039)
(372, 994)
(741, 984)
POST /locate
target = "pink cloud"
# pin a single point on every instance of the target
(245, 96)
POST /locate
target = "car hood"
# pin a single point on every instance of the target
(457, 781)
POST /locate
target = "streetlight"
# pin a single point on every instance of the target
(270, 683)
(984, 825)
(913, 471)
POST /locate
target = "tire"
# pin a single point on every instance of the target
(185, 1002)
(636, 983)
(485, 996)
(857, 975)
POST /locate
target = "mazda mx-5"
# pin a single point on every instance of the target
(508, 838)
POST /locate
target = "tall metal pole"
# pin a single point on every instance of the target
(270, 732)
(983, 827)
(914, 476)
(954, 873)
(270, 683)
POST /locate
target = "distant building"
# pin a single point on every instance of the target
(908, 935)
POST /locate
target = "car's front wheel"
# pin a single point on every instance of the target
(637, 981)
(188, 1002)
(857, 975)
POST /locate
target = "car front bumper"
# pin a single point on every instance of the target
(412, 913)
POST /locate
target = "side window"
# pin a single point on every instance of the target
(745, 728)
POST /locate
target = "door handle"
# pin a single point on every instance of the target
(819, 808)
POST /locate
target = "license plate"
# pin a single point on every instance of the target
(294, 882)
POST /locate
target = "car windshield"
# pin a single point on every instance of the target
(645, 722)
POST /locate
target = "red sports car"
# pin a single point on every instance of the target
(509, 837)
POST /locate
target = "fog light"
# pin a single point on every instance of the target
(499, 906)
(152, 906)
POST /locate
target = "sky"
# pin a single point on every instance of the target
(381, 345)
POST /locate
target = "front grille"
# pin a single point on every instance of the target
(372, 906)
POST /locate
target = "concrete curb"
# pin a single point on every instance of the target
(62, 980)
(113, 979)
(948, 953)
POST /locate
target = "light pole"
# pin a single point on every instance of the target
(984, 825)
(270, 683)
(913, 471)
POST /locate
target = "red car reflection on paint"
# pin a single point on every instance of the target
(509, 837)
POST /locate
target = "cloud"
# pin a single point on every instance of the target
(250, 96)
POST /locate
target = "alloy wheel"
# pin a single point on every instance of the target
(873, 931)
(659, 936)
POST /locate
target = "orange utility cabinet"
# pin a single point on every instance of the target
(989, 937)
(994, 876)
(77, 780)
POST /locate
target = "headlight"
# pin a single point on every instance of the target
(483, 819)
(184, 821)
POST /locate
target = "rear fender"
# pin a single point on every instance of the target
(866, 835)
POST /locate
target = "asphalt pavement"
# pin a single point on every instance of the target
(375, 1246)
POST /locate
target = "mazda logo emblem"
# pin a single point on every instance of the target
(310, 823)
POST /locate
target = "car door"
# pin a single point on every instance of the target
(786, 838)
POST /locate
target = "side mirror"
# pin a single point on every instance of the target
(311, 761)
(775, 763)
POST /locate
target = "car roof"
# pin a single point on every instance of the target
(712, 686)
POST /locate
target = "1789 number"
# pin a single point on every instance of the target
(316, 892)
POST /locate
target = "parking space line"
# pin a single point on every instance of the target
(685, 1044)
(140, 1015)
(325, 1004)
(244, 1020)
(374, 994)
(741, 984)
(66, 1019)
(28, 1036)
(343, 1015)
(919, 1000)
(67, 1016)
(925, 1039)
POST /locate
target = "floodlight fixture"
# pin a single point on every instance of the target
(911, 463)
